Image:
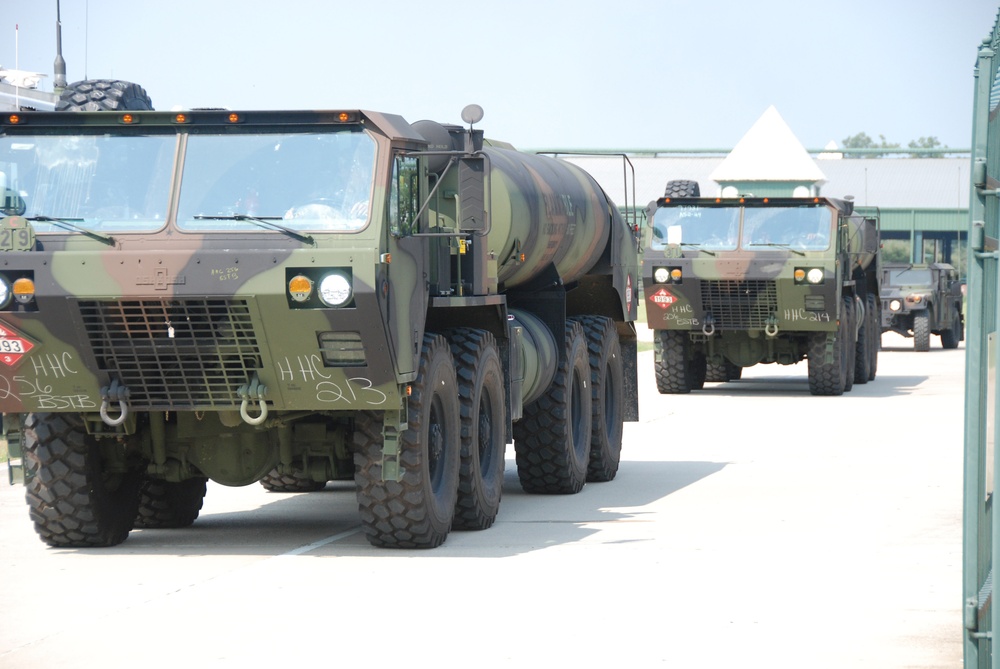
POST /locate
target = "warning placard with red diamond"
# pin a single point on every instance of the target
(663, 298)
(13, 345)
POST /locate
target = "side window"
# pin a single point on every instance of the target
(404, 196)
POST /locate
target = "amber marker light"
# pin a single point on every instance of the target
(24, 290)
(300, 288)
(344, 117)
(128, 118)
(180, 118)
(233, 118)
(13, 119)
(800, 275)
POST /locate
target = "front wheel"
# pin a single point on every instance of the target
(414, 509)
(675, 374)
(74, 497)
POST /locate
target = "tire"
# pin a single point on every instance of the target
(670, 359)
(697, 371)
(164, 504)
(875, 309)
(682, 188)
(717, 372)
(103, 95)
(862, 349)
(607, 386)
(922, 331)
(827, 377)
(850, 340)
(951, 336)
(552, 439)
(733, 371)
(275, 482)
(72, 500)
(417, 510)
(482, 398)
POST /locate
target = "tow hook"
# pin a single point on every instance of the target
(708, 328)
(114, 393)
(254, 391)
(771, 328)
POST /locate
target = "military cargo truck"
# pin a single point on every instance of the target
(919, 300)
(298, 297)
(734, 282)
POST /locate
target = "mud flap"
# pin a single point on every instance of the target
(15, 459)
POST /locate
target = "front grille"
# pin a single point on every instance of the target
(737, 305)
(174, 353)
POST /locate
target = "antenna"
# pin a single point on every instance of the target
(59, 82)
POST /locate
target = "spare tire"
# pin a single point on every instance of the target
(103, 95)
(682, 188)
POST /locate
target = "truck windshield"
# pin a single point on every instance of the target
(910, 277)
(305, 181)
(802, 228)
(97, 181)
(710, 228)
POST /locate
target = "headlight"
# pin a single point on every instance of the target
(335, 290)
(894, 305)
(5, 293)
(813, 275)
(665, 274)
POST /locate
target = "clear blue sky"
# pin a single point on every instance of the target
(568, 74)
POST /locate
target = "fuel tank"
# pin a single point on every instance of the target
(543, 210)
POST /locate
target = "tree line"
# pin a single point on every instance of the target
(863, 141)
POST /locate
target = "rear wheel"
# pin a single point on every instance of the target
(607, 386)
(862, 350)
(164, 504)
(552, 439)
(483, 410)
(922, 331)
(275, 482)
(74, 498)
(951, 336)
(875, 309)
(415, 511)
(850, 315)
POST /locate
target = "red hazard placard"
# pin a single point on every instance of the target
(13, 345)
(663, 298)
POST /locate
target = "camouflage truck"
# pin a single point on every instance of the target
(733, 282)
(294, 297)
(919, 300)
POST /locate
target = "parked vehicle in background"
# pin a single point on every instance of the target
(734, 282)
(919, 300)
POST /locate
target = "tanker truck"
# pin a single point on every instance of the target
(296, 297)
(734, 282)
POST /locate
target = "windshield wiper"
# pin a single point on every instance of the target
(697, 246)
(783, 246)
(263, 221)
(69, 224)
